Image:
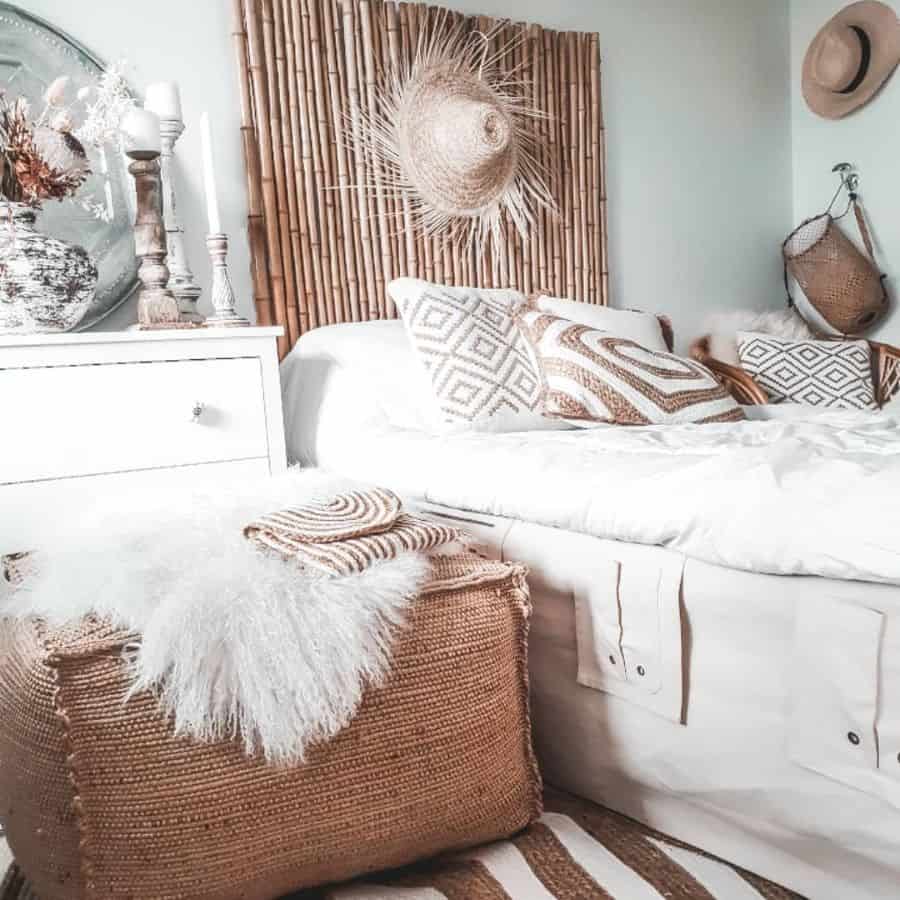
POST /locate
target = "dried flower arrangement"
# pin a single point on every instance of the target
(46, 158)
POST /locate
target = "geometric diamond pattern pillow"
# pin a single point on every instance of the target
(832, 374)
(479, 363)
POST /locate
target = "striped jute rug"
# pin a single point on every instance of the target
(577, 851)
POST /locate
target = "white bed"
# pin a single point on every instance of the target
(716, 641)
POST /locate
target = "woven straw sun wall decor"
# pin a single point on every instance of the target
(330, 227)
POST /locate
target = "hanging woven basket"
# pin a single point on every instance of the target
(840, 282)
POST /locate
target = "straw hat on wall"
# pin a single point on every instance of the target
(456, 140)
(851, 58)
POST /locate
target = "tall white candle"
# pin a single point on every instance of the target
(209, 177)
(164, 99)
(140, 130)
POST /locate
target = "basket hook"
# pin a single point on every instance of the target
(849, 183)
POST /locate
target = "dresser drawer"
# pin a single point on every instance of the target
(66, 421)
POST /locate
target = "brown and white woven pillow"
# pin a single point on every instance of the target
(827, 374)
(593, 376)
(480, 365)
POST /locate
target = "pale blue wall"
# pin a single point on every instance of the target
(698, 132)
(869, 138)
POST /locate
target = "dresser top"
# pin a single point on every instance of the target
(136, 337)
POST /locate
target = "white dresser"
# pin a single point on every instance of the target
(87, 413)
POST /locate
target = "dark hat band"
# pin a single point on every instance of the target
(866, 46)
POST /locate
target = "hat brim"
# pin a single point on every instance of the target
(881, 24)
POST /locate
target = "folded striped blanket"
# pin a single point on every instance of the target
(346, 534)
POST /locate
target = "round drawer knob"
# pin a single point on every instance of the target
(853, 737)
(197, 412)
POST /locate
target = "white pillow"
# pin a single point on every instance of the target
(723, 328)
(640, 327)
(375, 361)
(483, 371)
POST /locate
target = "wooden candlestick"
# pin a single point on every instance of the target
(222, 293)
(181, 278)
(156, 305)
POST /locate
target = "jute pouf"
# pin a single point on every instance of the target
(99, 800)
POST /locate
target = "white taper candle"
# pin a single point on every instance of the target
(209, 177)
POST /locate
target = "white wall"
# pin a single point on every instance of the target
(869, 137)
(697, 116)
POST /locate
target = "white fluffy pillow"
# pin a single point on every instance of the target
(371, 364)
(640, 327)
(723, 329)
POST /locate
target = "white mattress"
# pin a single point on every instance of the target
(797, 492)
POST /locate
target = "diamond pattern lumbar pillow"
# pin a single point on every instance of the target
(835, 374)
(594, 376)
(481, 367)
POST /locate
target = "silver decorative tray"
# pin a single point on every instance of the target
(32, 54)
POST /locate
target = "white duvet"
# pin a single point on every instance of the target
(796, 492)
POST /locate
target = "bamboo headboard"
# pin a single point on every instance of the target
(322, 255)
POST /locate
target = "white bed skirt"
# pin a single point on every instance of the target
(763, 727)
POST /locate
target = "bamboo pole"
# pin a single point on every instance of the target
(520, 270)
(600, 172)
(351, 219)
(346, 250)
(266, 175)
(393, 216)
(294, 173)
(304, 176)
(534, 94)
(385, 271)
(571, 102)
(592, 186)
(322, 155)
(259, 263)
(282, 222)
(505, 269)
(581, 242)
(396, 71)
(312, 223)
(369, 299)
(554, 247)
(282, 151)
(424, 259)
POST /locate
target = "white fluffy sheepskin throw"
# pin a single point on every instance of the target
(723, 328)
(234, 642)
